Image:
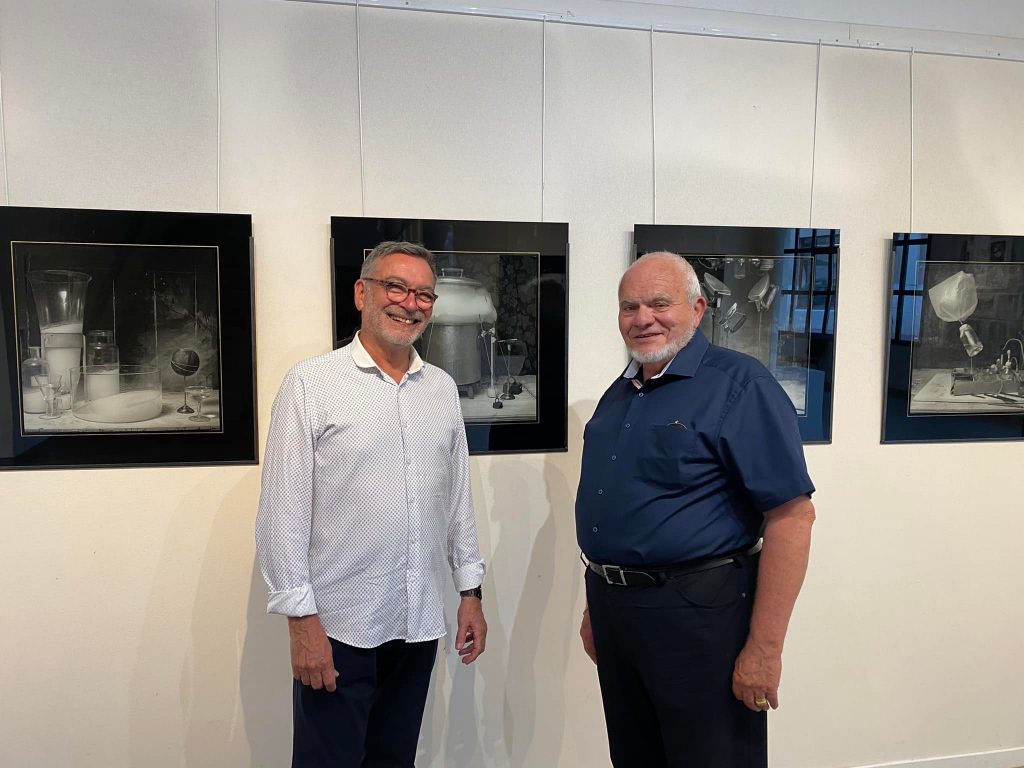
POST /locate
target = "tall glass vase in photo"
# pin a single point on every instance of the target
(63, 353)
(60, 299)
(59, 296)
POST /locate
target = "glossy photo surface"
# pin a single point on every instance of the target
(127, 339)
(498, 326)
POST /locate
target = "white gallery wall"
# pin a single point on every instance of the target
(133, 630)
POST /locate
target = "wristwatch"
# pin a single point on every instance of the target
(476, 592)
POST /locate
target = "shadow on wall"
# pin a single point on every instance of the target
(196, 717)
(265, 687)
(516, 718)
(236, 684)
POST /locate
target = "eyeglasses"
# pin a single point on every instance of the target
(398, 292)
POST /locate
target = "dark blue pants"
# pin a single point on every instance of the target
(373, 719)
(665, 657)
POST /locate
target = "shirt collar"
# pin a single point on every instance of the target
(362, 358)
(684, 363)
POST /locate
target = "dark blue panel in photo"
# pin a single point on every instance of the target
(956, 339)
(771, 294)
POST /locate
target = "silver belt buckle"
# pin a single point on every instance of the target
(609, 570)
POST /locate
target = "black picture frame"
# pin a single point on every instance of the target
(156, 279)
(955, 339)
(797, 270)
(525, 266)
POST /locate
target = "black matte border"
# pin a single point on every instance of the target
(236, 443)
(352, 235)
(708, 240)
(897, 425)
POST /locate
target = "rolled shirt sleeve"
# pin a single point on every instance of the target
(463, 548)
(286, 503)
(760, 444)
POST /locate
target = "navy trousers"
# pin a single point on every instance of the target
(665, 657)
(373, 719)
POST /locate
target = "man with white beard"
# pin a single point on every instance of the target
(365, 505)
(694, 517)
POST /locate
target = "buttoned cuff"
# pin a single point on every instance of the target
(293, 602)
(469, 576)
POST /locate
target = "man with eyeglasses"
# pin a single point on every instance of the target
(365, 505)
(694, 518)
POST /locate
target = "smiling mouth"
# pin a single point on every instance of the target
(407, 321)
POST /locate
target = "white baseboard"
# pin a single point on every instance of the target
(1002, 758)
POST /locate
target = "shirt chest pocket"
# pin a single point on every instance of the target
(672, 456)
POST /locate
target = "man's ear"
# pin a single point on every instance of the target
(359, 296)
(699, 307)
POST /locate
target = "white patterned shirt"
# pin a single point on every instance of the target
(366, 499)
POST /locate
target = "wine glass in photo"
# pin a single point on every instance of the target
(49, 387)
(200, 393)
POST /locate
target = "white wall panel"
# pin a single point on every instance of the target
(290, 156)
(734, 130)
(909, 620)
(968, 153)
(598, 176)
(862, 186)
(598, 156)
(3, 144)
(111, 104)
(451, 115)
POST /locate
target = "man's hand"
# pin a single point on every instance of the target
(587, 635)
(471, 637)
(312, 659)
(756, 676)
(787, 543)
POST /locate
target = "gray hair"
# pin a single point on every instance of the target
(389, 247)
(690, 279)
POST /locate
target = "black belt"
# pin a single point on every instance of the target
(640, 577)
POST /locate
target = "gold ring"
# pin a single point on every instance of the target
(761, 702)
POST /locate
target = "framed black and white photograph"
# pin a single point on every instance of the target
(127, 338)
(956, 339)
(498, 327)
(771, 293)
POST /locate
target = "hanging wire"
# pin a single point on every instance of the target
(216, 31)
(359, 101)
(654, 146)
(910, 227)
(814, 136)
(543, 102)
(3, 142)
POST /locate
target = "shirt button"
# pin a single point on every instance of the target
(613, 457)
(594, 529)
(641, 394)
(600, 491)
(627, 425)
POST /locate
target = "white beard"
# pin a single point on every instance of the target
(667, 352)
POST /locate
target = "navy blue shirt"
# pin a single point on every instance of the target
(686, 466)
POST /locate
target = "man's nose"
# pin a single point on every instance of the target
(644, 316)
(409, 302)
